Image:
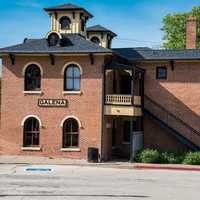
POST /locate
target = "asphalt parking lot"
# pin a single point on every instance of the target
(75, 182)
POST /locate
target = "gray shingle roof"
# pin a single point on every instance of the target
(76, 44)
(99, 28)
(134, 54)
(67, 6)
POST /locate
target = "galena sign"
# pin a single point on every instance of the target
(52, 102)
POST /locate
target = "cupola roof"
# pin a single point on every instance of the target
(99, 28)
(68, 7)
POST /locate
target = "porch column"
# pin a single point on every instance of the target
(132, 121)
(137, 122)
(141, 85)
(104, 85)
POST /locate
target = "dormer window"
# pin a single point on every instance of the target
(65, 23)
(53, 39)
(95, 40)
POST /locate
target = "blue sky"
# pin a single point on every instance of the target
(137, 22)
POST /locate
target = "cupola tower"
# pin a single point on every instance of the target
(68, 18)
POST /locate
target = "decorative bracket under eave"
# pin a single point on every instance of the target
(91, 58)
(52, 58)
(12, 58)
(172, 63)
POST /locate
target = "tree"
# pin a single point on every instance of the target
(174, 27)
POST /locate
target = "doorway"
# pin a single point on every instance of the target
(120, 138)
(125, 83)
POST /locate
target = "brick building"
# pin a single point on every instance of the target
(70, 91)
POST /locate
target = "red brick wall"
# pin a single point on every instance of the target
(156, 137)
(15, 106)
(178, 94)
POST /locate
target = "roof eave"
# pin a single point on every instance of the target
(68, 9)
(47, 53)
(162, 59)
(103, 31)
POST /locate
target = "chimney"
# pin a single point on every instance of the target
(191, 32)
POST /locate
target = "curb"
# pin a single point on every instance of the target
(164, 167)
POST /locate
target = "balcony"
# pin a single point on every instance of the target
(123, 100)
(123, 105)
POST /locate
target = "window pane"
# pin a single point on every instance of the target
(65, 22)
(67, 140)
(27, 139)
(74, 126)
(67, 126)
(70, 133)
(69, 83)
(76, 84)
(76, 72)
(35, 125)
(70, 125)
(70, 72)
(161, 72)
(95, 40)
(32, 78)
(75, 140)
(31, 132)
(28, 125)
(35, 139)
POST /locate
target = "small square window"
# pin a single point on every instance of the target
(161, 73)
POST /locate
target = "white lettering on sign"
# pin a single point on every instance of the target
(52, 102)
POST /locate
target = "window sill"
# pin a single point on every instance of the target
(71, 149)
(71, 92)
(126, 143)
(32, 92)
(31, 148)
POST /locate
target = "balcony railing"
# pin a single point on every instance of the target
(122, 100)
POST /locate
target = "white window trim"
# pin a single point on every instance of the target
(49, 33)
(71, 63)
(71, 92)
(29, 116)
(32, 63)
(32, 92)
(126, 143)
(70, 149)
(30, 148)
(73, 117)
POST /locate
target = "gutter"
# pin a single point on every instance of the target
(55, 53)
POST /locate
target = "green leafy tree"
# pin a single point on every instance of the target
(174, 27)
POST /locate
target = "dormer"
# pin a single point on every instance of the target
(100, 35)
(68, 18)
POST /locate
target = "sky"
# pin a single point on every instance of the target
(136, 22)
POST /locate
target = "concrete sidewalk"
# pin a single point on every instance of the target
(73, 162)
(60, 161)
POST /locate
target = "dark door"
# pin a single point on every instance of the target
(114, 133)
(125, 84)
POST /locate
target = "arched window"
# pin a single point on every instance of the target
(31, 132)
(65, 22)
(53, 39)
(70, 133)
(95, 40)
(72, 78)
(32, 78)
